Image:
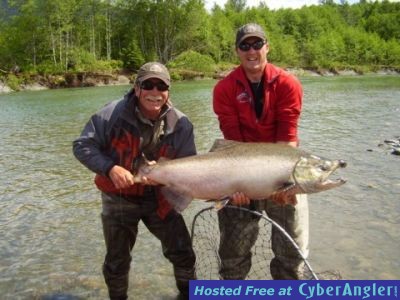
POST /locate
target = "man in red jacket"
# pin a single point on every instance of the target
(259, 102)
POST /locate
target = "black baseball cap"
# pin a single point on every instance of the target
(249, 30)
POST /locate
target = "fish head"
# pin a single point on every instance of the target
(312, 173)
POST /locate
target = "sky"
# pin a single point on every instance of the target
(272, 4)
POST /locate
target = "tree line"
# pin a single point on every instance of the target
(55, 36)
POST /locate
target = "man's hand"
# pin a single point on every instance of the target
(240, 199)
(147, 181)
(121, 177)
(283, 199)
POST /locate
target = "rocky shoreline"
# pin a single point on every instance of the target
(70, 80)
(346, 72)
(37, 83)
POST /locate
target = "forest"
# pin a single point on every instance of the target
(60, 36)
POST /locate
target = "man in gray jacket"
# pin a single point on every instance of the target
(111, 144)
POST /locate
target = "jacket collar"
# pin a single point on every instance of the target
(271, 74)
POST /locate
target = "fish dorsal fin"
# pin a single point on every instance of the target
(221, 144)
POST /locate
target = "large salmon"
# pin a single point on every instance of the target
(259, 170)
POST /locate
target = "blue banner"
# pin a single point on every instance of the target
(294, 289)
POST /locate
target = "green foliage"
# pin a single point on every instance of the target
(391, 53)
(225, 66)
(58, 36)
(222, 37)
(383, 19)
(81, 60)
(181, 74)
(132, 57)
(362, 48)
(48, 67)
(13, 82)
(284, 50)
(192, 60)
(235, 5)
(327, 51)
(105, 66)
(175, 75)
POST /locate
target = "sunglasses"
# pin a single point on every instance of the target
(148, 85)
(256, 45)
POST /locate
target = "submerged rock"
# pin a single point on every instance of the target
(390, 145)
(396, 151)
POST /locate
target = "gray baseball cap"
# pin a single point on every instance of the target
(249, 30)
(153, 70)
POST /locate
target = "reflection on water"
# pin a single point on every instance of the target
(49, 208)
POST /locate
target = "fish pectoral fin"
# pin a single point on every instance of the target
(285, 194)
(287, 186)
(220, 203)
(178, 199)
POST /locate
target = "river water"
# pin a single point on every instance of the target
(51, 238)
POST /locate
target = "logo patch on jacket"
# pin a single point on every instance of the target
(243, 97)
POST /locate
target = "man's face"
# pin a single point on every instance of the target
(153, 94)
(252, 60)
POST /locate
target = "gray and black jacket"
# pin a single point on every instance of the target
(118, 135)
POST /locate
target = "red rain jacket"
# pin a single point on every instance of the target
(234, 105)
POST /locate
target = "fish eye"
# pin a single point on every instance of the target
(326, 166)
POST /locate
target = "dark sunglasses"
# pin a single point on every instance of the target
(256, 45)
(149, 85)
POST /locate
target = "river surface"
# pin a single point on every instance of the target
(51, 237)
